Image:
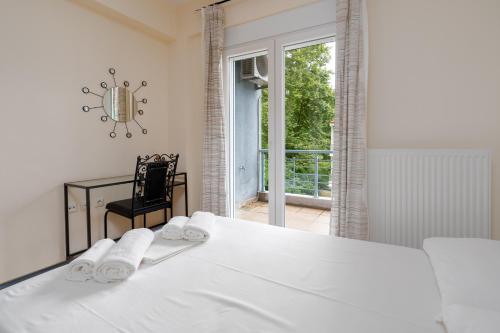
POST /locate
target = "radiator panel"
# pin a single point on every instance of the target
(415, 194)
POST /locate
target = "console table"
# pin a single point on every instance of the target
(92, 184)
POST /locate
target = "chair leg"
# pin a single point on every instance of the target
(144, 220)
(106, 224)
(165, 214)
(133, 222)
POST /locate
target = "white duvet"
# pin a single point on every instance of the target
(466, 319)
(468, 275)
(246, 278)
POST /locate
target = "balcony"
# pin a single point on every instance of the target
(296, 217)
(307, 172)
(307, 187)
(308, 110)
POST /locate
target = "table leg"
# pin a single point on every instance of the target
(186, 194)
(89, 234)
(66, 220)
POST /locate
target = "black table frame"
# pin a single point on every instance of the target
(87, 202)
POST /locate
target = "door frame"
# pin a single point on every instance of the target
(276, 47)
(283, 43)
(230, 55)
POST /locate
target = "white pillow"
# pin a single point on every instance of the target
(467, 271)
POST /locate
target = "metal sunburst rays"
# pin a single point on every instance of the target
(119, 104)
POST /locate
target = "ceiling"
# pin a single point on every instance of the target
(176, 2)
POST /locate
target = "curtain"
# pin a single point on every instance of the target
(349, 187)
(214, 192)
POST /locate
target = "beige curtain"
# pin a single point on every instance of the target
(349, 203)
(214, 192)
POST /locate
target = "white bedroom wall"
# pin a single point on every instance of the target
(435, 78)
(154, 17)
(50, 49)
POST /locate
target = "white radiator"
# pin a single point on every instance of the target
(415, 194)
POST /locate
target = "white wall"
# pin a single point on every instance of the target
(283, 23)
(154, 17)
(435, 78)
(50, 49)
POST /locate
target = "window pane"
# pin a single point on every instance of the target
(251, 155)
(309, 115)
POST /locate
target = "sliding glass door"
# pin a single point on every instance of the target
(281, 107)
(309, 109)
(251, 182)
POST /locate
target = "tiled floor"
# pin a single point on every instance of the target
(296, 217)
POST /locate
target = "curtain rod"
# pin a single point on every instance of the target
(213, 4)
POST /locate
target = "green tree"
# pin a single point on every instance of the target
(309, 99)
(309, 110)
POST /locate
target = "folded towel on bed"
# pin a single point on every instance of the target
(162, 249)
(174, 229)
(123, 259)
(198, 228)
(82, 268)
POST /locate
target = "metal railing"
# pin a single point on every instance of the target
(307, 172)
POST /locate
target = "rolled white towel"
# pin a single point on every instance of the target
(199, 227)
(174, 229)
(82, 268)
(124, 257)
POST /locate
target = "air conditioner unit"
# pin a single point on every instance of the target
(254, 70)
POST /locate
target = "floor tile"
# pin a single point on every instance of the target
(296, 217)
(310, 211)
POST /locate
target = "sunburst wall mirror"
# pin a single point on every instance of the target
(119, 104)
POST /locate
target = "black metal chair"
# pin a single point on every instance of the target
(152, 190)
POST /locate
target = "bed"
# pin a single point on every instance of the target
(248, 277)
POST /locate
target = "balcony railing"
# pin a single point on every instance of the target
(307, 172)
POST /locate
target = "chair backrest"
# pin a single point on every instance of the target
(155, 189)
(154, 178)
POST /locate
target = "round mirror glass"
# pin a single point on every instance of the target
(120, 104)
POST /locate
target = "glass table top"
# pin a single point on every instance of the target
(117, 180)
(103, 181)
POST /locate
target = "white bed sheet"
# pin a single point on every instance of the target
(247, 278)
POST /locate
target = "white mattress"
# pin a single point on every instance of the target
(247, 278)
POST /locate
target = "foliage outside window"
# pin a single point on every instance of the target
(309, 112)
